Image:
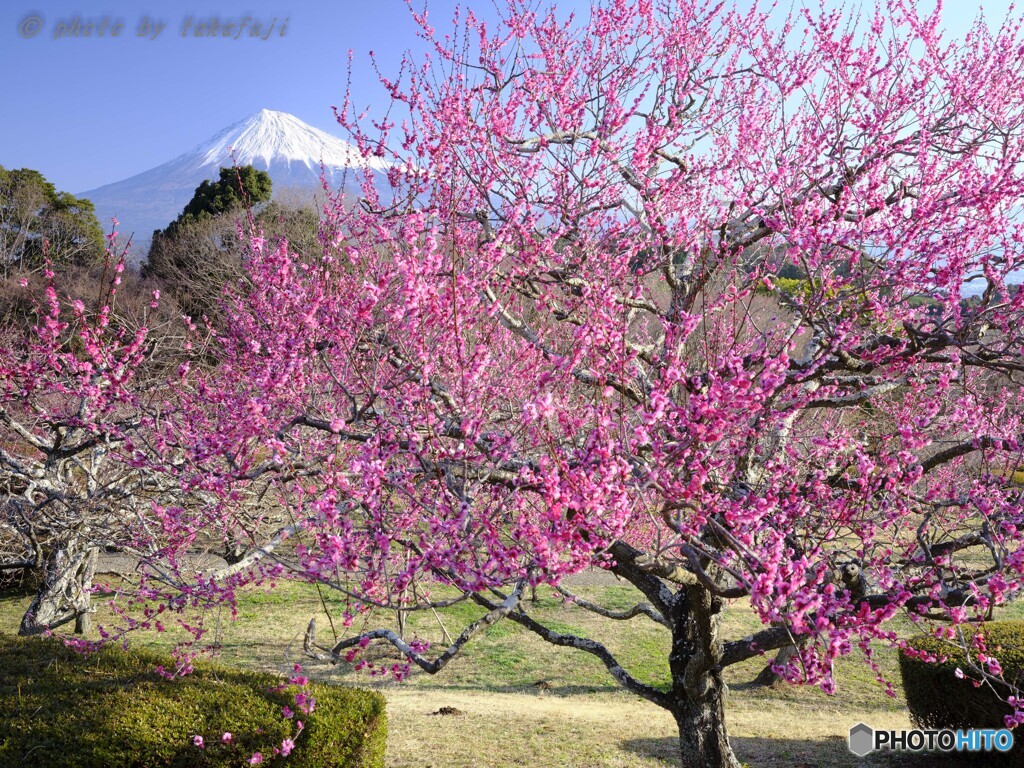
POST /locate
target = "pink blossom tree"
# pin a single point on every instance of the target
(720, 302)
(70, 402)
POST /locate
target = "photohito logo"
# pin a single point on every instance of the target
(864, 739)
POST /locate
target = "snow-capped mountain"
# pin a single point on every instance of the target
(287, 148)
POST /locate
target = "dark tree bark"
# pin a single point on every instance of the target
(698, 690)
(65, 593)
(703, 740)
(234, 550)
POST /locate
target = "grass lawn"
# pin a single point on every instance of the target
(580, 717)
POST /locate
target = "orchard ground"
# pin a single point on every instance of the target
(577, 716)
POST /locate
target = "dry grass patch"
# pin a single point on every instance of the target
(502, 730)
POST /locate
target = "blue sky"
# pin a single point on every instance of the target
(87, 111)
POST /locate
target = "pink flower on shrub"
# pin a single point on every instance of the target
(287, 746)
(198, 741)
(256, 758)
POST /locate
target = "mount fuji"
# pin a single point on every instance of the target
(287, 148)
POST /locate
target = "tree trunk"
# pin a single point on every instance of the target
(234, 549)
(697, 685)
(703, 740)
(65, 593)
(768, 676)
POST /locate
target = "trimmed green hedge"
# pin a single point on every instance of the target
(937, 698)
(111, 710)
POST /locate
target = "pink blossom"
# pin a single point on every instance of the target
(740, 305)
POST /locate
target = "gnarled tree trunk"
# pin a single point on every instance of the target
(697, 685)
(65, 593)
(703, 740)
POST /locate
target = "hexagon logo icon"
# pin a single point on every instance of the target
(862, 739)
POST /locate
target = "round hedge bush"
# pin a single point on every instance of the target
(111, 709)
(937, 698)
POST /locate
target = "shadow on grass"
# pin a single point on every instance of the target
(757, 752)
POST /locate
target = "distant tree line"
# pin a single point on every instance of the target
(189, 262)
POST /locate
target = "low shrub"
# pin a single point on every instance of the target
(938, 698)
(111, 709)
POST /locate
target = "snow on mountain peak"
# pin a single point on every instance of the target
(280, 144)
(277, 137)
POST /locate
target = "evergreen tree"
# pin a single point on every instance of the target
(34, 212)
(236, 188)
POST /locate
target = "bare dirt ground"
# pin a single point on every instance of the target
(123, 565)
(594, 577)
